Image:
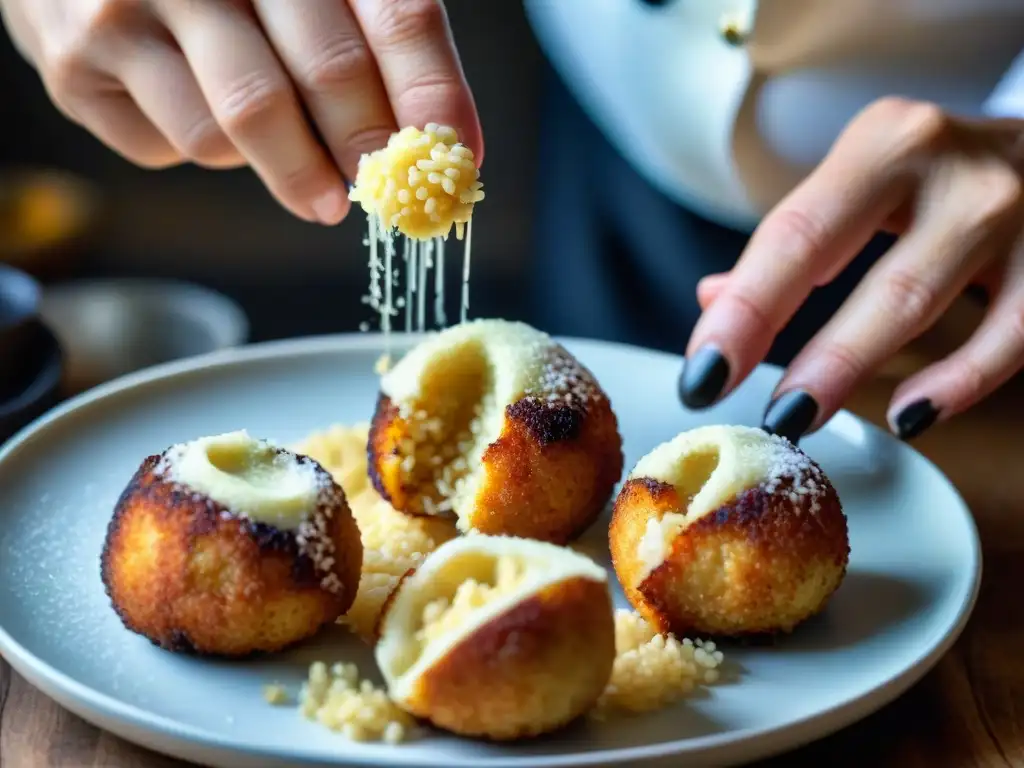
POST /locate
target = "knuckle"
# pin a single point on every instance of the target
(424, 92)
(302, 183)
(747, 311)
(338, 64)
(203, 140)
(64, 65)
(795, 233)
(250, 101)
(843, 361)
(909, 299)
(914, 125)
(101, 16)
(401, 21)
(368, 139)
(1000, 193)
(970, 378)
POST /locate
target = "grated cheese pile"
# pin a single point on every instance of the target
(652, 670)
(393, 543)
(337, 698)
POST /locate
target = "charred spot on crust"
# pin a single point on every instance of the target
(655, 488)
(547, 423)
(180, 642)
(270, 539)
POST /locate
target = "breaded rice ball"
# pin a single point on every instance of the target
(497, 423)
(228, 546)
(499, 637)
(728, 531)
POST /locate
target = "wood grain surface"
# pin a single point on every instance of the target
(967, 712)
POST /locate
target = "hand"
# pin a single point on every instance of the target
(952, 190)
(226, 83)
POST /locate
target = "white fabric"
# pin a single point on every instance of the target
(728, 129)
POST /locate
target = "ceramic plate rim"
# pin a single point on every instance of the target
(92, 705)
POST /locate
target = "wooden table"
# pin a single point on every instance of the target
(968, 712)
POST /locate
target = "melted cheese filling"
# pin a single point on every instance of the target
(442, 616)
(247, 476)
(452, 390)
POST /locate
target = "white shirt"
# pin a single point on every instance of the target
(727, 129)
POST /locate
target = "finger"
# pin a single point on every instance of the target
(116, 120)
(803, 243)
(709, 288)
(420, 67)
(323, 48)
(900, 297)
(989, 358)
(253, 101)
(157, 75)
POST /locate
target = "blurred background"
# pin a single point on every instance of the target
(72, 210)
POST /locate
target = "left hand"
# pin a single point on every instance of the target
(953, 190)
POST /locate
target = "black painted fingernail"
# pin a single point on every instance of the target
(704, 376)
(790, 415)
(915, 419)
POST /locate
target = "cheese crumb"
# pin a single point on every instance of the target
(651, 670)
(339, 699)
(275, 694)
(393, 542)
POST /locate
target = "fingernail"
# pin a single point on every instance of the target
(915, 419)
(790, 415)
(330, 207)
(704, 376)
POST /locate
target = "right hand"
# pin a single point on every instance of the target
(227, 83)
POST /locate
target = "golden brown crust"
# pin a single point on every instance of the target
(551, 472)
(760, 564)
(537, 675)
(183, 572)
(547, 476)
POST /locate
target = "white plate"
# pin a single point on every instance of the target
(914, 572)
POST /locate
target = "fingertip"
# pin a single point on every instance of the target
(331, 207)
(909, 419)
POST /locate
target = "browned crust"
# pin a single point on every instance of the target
(778, 545)
(544, 663)
(382, 448)
(549, 490)
(547, 423)
(548, 476)
(183, 572)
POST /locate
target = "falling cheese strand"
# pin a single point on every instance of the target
(419, 186)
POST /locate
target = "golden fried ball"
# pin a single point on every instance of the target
(499, 637)
(496, 423)
(728, 531)
(186, 569)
